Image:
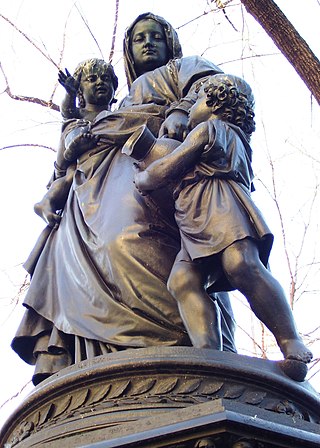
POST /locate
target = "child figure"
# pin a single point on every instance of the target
(225, 242)
(94, 84)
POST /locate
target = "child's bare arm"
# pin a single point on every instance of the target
(174, 165)
(77, 141)
(61, 163)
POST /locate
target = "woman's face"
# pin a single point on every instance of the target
(149, 46)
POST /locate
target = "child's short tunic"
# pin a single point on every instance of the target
(213, 201)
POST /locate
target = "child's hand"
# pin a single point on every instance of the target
(45, 210)
(70, 83)
(82, 142)
(148, 179)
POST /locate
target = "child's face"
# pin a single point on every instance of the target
(96, 86)
(200, 111)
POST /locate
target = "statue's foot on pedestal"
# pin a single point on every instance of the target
(296, 370)
(295, 349)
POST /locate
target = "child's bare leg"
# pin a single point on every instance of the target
(61, 162)
(266, 297)
(198, 311)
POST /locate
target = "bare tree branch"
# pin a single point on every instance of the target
(15, 395)
(116, 15)
(252, 56)
(61, 52)
(314, 363)
(283, 233)
(196, 18)
(30, 41)
(34, 145)
(222, 5)
(29, 99)
(90, 31)
(288, 40)
(14, 301)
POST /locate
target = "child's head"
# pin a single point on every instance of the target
(227, 97)
(98, 82)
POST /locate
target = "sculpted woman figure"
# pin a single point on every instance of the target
(99, 283)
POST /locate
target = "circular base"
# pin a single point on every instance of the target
(83, 402)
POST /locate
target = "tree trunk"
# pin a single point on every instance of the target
(288, 40)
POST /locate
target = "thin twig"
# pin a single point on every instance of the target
(61, 53)
(253, 340)
(89, 29)
(248, 57)
(15, 300)
(313, 364)
(15, 395)
(29, 99)
(282, 225)
(115, 25)
(198, 17)
(222, 6)
(29, 40)
(35, 145)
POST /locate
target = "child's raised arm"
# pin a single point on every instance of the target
(71, 85)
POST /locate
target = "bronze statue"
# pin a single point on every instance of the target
(139, 253)
(225, 242)
(99, 280)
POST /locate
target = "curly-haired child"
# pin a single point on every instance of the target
(225, 242)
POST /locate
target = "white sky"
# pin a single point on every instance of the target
(287, 128)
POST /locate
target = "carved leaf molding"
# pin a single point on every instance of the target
(147, 390)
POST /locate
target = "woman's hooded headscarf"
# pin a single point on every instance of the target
(173, 44)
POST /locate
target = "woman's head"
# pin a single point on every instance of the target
(96, 78)
(149, 42)
(231, 99)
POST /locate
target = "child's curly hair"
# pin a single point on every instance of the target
(92, 64)
(232, 100)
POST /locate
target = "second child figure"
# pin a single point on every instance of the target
(94, 84)
(225, 242)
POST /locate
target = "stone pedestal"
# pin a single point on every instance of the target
(177, 397)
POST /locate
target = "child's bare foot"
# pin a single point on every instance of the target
(295, 349)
